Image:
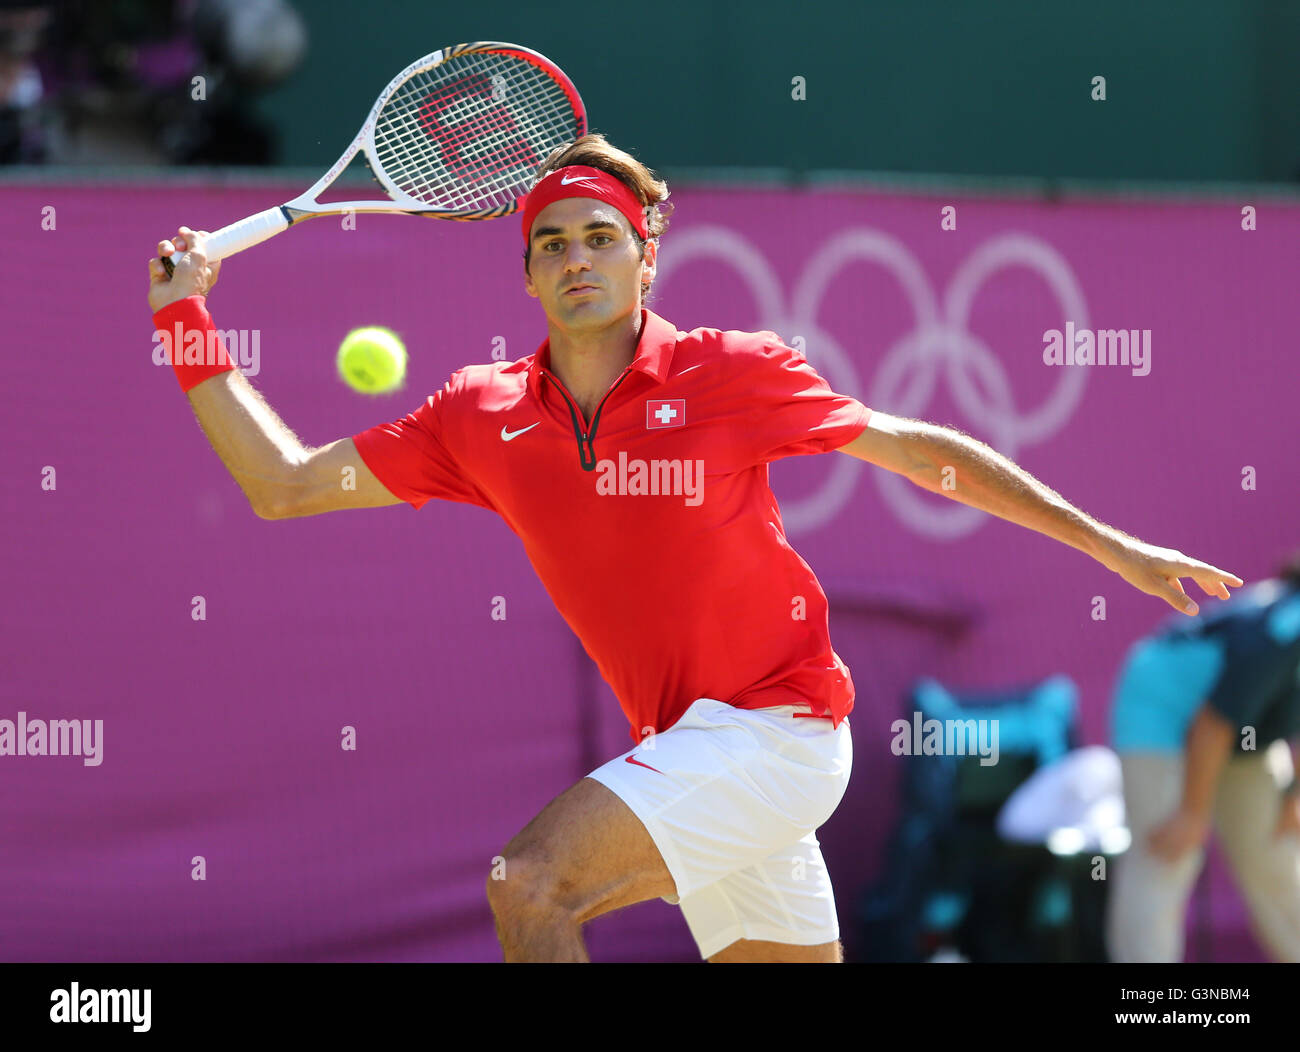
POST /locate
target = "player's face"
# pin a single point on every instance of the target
(583, 241)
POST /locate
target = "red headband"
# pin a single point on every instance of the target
(577, 180)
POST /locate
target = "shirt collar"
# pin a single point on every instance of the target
(654, 352)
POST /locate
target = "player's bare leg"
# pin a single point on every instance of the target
(585, 854)
(756, 951)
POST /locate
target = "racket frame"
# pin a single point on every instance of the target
(263, 225)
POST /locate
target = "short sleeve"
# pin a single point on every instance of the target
(411, 458)
(1259, 668)
(790, 409)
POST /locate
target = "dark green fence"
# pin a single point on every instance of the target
(1196, 90)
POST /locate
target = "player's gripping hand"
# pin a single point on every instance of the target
(193, 276)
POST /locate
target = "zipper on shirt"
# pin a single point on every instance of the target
(586, 450)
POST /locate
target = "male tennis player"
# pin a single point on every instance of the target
(631, 459)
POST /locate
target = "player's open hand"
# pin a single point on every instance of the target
(193, 275)
(1156, 571)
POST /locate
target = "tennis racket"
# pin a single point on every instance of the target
(458, 134)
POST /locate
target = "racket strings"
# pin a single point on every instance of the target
(492, 151)
(471, 133)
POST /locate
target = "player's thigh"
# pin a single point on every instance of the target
(586, 853)
(755, 951)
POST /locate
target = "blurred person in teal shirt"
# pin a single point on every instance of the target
(1202, 715)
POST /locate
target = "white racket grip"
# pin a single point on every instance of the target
(244, 234)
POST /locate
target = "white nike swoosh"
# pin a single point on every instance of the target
(687, 370)
(506, 436)
(565, 180)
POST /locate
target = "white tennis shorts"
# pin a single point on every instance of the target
(732, 799)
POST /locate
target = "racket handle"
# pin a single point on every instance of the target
(238, 236)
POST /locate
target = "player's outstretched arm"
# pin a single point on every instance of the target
(952, 464)
(279, 475)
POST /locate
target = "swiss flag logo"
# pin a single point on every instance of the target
(665, 412)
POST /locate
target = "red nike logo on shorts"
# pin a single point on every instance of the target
(633, 759)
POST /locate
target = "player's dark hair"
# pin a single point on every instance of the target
(594, 151)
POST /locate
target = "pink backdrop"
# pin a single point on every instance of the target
(221, 737)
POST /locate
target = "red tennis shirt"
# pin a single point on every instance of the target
(654, 529)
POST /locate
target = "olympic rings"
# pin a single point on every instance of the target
(908, 373)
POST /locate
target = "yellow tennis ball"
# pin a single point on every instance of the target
(372, 360)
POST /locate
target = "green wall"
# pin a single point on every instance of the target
(1196, 90)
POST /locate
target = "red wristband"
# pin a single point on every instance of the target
(190, 342)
